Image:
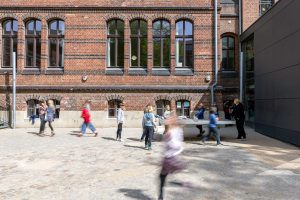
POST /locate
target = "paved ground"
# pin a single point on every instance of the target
(68, 167)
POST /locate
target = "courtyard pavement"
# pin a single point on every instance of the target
(67, 167)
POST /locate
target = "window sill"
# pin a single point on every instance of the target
(137, 71)
(229, 74)
(114, 71)
(161, 72)
(184, 72)
(30, 71)
(6, 71)
(54, 71)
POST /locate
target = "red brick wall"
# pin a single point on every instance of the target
(250, 12)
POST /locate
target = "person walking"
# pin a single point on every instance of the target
(239, 114)
(212, 126)
(149, 125)
(144, 132)
(166, 116)
(42, 113)
(173, 147)
(120, 121)
(50, 112)
(85, 114)
(200, 115)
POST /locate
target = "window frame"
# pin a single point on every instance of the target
(184, 37)
(11, 37)
(228, 49)
(139, 37)
(117, 103)
(35, 108)
(165, 102)
(35, 37)
(262, 3)
(58, 37)
(182, 109)
(161, 38)
(117, 38)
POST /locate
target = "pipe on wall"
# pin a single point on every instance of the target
(216, 52)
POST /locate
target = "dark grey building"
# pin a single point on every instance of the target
(271, 49)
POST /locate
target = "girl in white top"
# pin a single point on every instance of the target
(173, 147)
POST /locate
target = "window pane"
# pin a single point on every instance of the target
(143, 27)
(186, 104)
(111, 51)
(143, 52)
(120, 28)
(179, 52)
(134, 55)
(15, 27)
(166, 52)
(38, 27)
(165, 28)
(120, 52)
(15, 47)
(231, 59)
(61, 53)
(61, 27)
(7, 27)
(53, 28)
(30, 27)
(188, 28)
(156, 28)
(134, 27)
(231, 43)
(112, 27)
(224, 59)
(189, 52)
(224, 43)
(29, 52)
(111, 113)
(52, 49)
(6, 53)
(38, 52)
(179, 28)
(156, 52)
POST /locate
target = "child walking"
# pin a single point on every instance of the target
(148, 125)
(42, 114)
(212, 126)
(50, 115)
(87, 120)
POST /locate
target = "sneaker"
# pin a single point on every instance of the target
(95, 134)
(202, 142)
(52, 134)
(121, 140)
(202, 132)
(80, 135)
(149, 148)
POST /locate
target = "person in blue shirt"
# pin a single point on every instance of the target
(212, 126)
(200, 115)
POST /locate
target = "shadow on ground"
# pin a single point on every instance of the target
(134, 193)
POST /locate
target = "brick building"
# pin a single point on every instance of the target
(132, 51)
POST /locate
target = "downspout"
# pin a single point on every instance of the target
(241, 52)
(216, 53)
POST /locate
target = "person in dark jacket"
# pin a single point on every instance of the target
(200, 115)
(239, 114)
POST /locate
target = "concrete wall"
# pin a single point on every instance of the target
(277, 72)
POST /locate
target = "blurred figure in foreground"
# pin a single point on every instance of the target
(173, 147)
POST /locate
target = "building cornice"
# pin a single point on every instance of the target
(101, 88)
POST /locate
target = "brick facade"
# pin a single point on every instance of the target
(85, 53)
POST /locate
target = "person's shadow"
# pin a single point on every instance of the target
(134, 193)
(109, 138)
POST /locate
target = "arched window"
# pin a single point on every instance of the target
(184, 44)
(115, 43)
(113, 106)
(228, 53)
(32, 108)
(9, 41)
(183, 108)
(56, 43)
(138, 30)
(161, 105)
(161, 43)
(33, 43)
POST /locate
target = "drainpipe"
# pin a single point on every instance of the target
(241, 52)
(216, 53)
